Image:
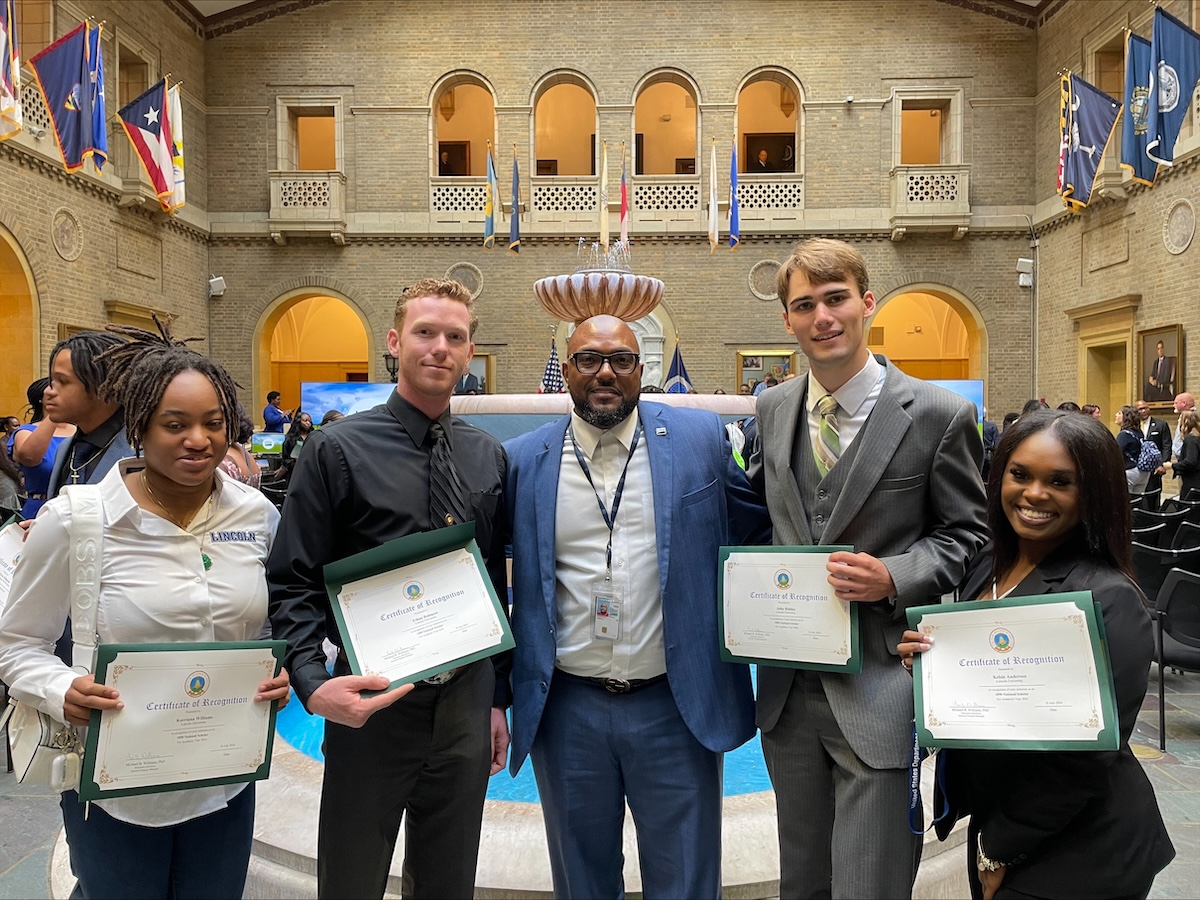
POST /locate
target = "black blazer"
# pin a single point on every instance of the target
(1069, 824)
(1159, 432)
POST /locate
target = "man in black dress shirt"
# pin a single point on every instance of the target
(362, 481)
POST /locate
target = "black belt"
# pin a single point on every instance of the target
(615, 685)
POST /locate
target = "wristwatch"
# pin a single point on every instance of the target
(985, 863)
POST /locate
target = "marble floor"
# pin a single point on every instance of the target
(29, 817)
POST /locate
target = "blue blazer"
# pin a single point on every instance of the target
(701, 501)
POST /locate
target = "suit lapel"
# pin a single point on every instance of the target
(545, 479)
(876, 443)
(786, 479)
(662, 474)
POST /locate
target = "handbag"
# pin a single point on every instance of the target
(45, 751)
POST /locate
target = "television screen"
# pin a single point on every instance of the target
(266, 443)
(970, 389)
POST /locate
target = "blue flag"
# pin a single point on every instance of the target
(514, 222)
(490, 199)
(1092, 115)
(95, 67)
(1137, 105)
(677, 376)
(72, 86)
(735, 226)
(1174, 71)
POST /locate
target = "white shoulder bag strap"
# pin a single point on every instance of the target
(87, 547)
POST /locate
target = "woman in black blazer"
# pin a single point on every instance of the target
(1187, 465)
(1060, 823)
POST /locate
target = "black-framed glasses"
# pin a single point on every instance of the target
(589, 363)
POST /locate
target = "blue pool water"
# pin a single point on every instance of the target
(745, 770)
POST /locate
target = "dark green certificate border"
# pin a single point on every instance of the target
(853, 665)
(403, 551)
(1108, 738)
(105, 654)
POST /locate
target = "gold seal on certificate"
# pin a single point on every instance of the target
(417, 606)
(777, 608)
(1019, 673)
(189, 720)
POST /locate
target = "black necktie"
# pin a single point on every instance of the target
(447, 499)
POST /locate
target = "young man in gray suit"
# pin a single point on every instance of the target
(856, 453)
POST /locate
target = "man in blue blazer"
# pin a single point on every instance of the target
(619, 692)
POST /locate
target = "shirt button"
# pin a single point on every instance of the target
(820, 520)
(821, 495)
(204, 621)
(198, 579)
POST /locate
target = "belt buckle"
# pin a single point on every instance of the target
(617, 686)
(441, 677)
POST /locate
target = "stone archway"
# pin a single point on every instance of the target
(931, 331)
(652, 332)
(20, 314)
(278, 326)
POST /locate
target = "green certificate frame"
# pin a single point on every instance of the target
(994, 654)
(177, 696)
(853, 665)
(405, 551)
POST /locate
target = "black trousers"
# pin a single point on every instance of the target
(425, 758)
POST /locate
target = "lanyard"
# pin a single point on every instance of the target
(610, 519)
(915, 811)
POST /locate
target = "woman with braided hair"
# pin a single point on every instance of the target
(162, 580)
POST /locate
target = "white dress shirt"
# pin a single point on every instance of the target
(580, 541)
(153, 588)
(856, 398)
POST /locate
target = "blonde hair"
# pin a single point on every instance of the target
(437, 287)
(1189, 422)
(822, 260)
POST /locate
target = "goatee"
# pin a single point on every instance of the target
(605, 419)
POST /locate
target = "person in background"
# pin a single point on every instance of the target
(77, 370)
(1091, 409)
(1008, 419)
(293, 443)
(160, 581)
(11, 424)
(331, 415)
(1056, 823)
(1069, 406)
(1183, 402)
(1129, 439)
(275, 418)
(1035, 403)
(238, 463)
(34, 447)
(1157, 432)
(1187, 465)
(10, 486)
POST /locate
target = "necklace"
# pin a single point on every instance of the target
(182, 526)
(77, 470)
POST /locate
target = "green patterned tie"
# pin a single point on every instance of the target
(828, 448)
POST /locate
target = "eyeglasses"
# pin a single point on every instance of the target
(589, 363)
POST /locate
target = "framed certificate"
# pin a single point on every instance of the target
(776, 607)
(190, 719)
(417, 606)
(1023, 673)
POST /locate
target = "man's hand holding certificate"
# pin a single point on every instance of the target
(777, 607)
(1021, 673)
(417, 606)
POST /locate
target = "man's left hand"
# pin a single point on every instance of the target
(991, 882)
(499, 739)
(859, 576)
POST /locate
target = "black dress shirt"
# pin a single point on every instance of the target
(362, 481)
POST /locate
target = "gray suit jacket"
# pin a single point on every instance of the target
(914, 499)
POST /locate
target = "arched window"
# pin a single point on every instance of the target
(464, 117)
(768, 115)
(564, 118)
(665, 127)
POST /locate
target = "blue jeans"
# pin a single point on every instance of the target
(202, 858)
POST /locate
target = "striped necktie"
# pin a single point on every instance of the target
(828, 448)
(447, 499)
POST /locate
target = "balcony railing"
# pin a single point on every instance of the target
(308, 202)
(930, 198)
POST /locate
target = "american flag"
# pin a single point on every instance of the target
(552, 380)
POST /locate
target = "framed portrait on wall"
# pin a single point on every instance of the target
(770, 152)
(1160, 364)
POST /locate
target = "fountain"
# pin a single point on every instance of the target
(604, 284)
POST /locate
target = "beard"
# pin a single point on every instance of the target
(605, 419)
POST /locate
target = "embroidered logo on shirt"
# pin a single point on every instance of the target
(218, 537)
